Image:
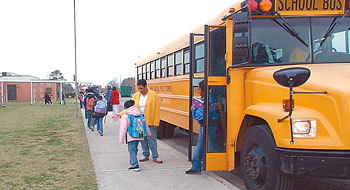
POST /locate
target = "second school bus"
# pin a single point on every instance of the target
(277, 93)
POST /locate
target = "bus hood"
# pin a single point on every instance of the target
(331, 110)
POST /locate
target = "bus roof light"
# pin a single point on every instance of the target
(253, 5)
(232, 10)
(265, 6)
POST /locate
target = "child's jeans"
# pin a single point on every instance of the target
(132, 148)
(90, 121)
(99, 124)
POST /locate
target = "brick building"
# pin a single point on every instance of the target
(18, 87)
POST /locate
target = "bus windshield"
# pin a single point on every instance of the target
(271, 44)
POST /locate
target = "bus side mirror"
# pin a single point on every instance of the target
(292, 77)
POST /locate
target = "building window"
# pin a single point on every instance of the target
(41, 90)
(152, 70)
(34, 84)
(144, 71)
(163, 63)
(41, 84)
(148, 71)
(178, 63)
(170, 65)
(187, 61)
(157, 68)
(48, 84)
(34, 90)
(199, 57)
(139, 72)
(48, 90)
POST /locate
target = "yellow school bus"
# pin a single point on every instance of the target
(277, 89)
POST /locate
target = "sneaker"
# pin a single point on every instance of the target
(143, 159)
(190, 171)
(159, 161)
(135, 169)
(101, 134)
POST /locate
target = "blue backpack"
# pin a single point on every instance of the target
(137, 126)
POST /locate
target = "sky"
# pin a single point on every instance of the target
(37, 36)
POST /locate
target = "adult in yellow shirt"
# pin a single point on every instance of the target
(148, 102)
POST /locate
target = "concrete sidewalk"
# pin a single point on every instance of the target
(111, 160)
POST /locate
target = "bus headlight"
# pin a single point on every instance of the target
(304, 128)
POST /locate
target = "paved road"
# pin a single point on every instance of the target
(180, 140)
(111, 161)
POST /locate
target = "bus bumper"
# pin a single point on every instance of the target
(332, 164)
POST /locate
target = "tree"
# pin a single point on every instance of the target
(56, 75)
(114, 83)
(129, 82)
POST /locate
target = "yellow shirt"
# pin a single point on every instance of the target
(152, 108)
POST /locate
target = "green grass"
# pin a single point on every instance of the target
(44, 147)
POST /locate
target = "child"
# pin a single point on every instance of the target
(89, 104)
(100, 110)
(133, 143)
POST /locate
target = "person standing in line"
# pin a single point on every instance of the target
(115, 99)
(89, 104)
(133, 142)
(100, 111)
(81, 99)
(148, 102)
(198, 115)
(108, 94)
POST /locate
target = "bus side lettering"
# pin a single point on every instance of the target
(309, 5)
(282, 6)
(332, 4)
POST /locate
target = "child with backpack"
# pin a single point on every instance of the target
(89, 105)
(100, 110)
(133, 127)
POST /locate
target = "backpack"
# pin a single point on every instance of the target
(101, 107)
(89, 104)
(137, 126)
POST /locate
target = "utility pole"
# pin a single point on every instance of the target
(76, 70)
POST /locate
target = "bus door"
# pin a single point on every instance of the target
(196, 43)
(215, 99)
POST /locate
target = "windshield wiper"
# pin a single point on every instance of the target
(287, 27)
(331, 28)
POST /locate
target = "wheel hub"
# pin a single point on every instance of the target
(255, 165)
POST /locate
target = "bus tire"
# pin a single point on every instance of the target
(169, 131)
(161, 130)
(259, 162)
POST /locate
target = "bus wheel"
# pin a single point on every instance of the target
(259, 162)
(161, 130)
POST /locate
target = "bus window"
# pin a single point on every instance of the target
(148, 71)
(217, 51)
(144, 71)
(139, 72)
(162, 71)
(170, 65)
(186, 61)
(157, 68)
(152, 70)
(271, 44)
(217, 119)
(336, 47)
(199, 57)
(178, 63)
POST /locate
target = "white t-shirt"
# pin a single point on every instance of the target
(142, 103)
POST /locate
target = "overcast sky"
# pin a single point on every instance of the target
(37, 36)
